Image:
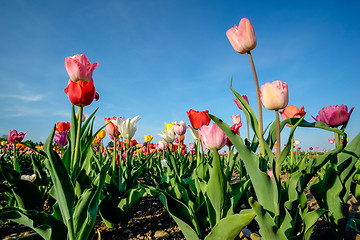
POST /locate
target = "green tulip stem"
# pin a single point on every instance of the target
(114, 156)
(248, 131)
(292, 154)
(228, 156)
(179, 145)
(278, 145)
(337, 139)
(198, 152)
(260, 118)
(77, 140)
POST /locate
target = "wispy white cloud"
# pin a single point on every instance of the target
(30, 98)
(61, 113)
(20, 111)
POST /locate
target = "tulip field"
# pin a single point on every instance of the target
(74, 187)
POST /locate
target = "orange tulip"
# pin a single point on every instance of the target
(292, 111)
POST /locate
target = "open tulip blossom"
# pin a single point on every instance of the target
(15, 137)
(334, 116)
(126, 126)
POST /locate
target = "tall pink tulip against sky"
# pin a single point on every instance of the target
(242, 37)
(243, 40)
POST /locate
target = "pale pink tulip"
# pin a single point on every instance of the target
(236, 119)
(274, 96)
(242, 37)
(212, 136)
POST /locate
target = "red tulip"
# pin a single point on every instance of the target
(198, 118)
(81, 93)
(80, 89)
(242, 37)
(62, 126)
(111, 128)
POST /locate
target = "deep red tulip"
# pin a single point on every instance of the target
(198, 118)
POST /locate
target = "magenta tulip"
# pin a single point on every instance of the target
(274, 96)
(242, 37)
(15, 137)
(237, 102)
(212, 136)
(61, 138)
(334, 116)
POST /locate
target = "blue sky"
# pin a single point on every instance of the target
(159, 59)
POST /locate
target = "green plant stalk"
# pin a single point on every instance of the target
(198, 152)
(77, 141)
(292, 154)
(248, 131)
(260, 118)
(337, 140)
(278, 146)
(179, 146)
(114, 157)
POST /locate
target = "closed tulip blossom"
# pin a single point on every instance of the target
(331, 140)
(126, 126)
(162, 145)
(192, 145)
(212, 136)
(101, 134)
(180, 128)
(148, 138)
(292, 111)
(62, 126)
(334, 116)
(274, 96)
(61, 138)
(15, 137)
(111, 128)
(237, 102)
(236, 119)
(80, 89)
(242, 37)
(198, 118)
(80, 68)
(235, 128)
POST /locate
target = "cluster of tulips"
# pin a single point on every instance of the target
(80, 179)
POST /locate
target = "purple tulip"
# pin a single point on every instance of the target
(61, 138)
(334, 116)
(212, 136)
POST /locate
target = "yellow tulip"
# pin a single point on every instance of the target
(39, 147)
(168, 126)
(4, 143)
(101, 134)
(148, 138)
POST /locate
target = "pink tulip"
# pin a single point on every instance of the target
(15, 137)
(242, 37)
(192, 145)
(212, 136)
(334, 116)
(331, 140)
(163, 145)
(237, 102)
(79, 68)
(274, 96)
(236, 119)
(180, 128)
